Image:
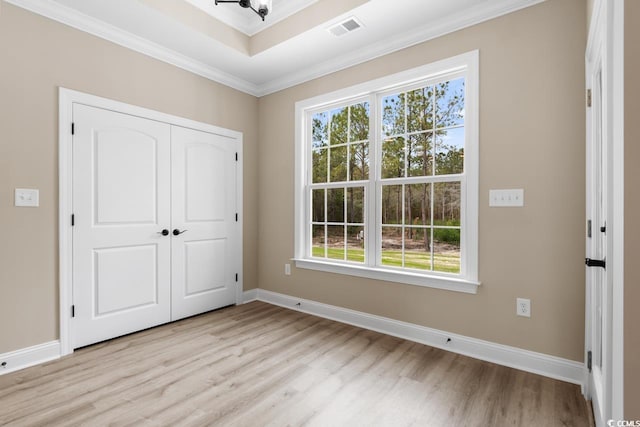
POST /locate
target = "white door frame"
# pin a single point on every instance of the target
(606, 42)
(67, 98)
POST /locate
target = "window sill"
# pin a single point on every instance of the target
(377, 273)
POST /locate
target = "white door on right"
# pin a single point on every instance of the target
(204, 247)
(598, 284)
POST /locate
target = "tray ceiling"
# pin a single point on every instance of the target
(231, 45)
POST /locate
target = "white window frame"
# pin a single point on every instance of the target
(466, 64)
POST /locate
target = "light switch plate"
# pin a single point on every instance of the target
(506, 198)
(27, 197)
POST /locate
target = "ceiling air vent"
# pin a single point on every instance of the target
(344, 27)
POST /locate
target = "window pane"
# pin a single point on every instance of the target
(420, 109)
(392, 246)
(359, 118)
(446, 250)
(355, 205)
(317, 206)
(446, 206)
(393, 115)
(338, 126)
(450, 103)
(450, 151)
(420, 156)
(319, 123)
(335, 242)
(392, 204)
(359, 161)
(393, 158)
(416, 248)
(417, 200)
(355, 244)
(317, 241)
(338, 164)
(335, 205)
(319, 172)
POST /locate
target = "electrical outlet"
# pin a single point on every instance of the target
(523, 307)
(287, 269)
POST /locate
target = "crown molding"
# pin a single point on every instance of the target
(80, 21)
(419, 35)
(91, 25)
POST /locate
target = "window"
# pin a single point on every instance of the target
(387, 178)
(339, 173)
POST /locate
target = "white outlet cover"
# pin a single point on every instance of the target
(513, 198)
(523, 307)
(27, 197)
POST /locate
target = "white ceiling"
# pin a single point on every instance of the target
(246, 21)
(389, 25)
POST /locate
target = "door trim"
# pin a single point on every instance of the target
(607, 27)
(616, 30)
(66, 99)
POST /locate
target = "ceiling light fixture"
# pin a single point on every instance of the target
(261, 7)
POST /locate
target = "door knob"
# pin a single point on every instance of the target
(177, 232)
(164, 232)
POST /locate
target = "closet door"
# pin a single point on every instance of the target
(204, 245)
(121, 196)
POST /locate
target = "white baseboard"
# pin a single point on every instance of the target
(29, 356)
(250, 295)
(525, 360)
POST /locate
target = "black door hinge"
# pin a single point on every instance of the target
(236, 217)
(73, 220)
(588, 97)
(73, 311)
(236, 277)
(236, 157)
(589, 228)
(589, 360)
(73, 128)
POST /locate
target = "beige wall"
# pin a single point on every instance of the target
(632, 212)
(531, 137)
(38, 55)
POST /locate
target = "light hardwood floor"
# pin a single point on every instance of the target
(258, 365)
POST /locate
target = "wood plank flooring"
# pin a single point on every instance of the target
(262, 365)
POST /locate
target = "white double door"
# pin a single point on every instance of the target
(155, 231)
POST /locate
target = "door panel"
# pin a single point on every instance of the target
(121, 193)
(203, 271)
(205, 163)
(204, 188)
(125, 177)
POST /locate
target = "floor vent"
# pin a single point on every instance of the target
(345, 27)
